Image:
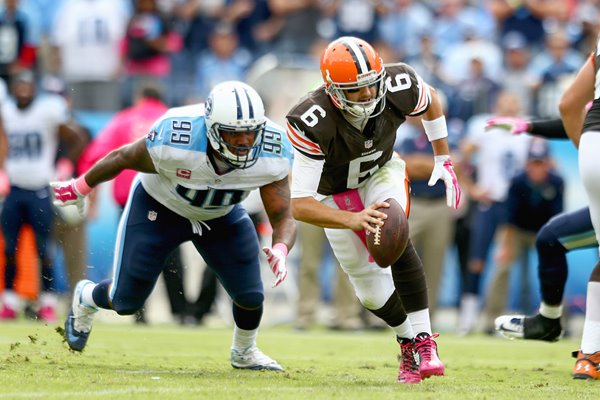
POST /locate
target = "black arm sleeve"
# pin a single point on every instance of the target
(548, 128)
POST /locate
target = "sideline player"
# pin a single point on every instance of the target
(568, 231)
(197, 165)
(345, 167)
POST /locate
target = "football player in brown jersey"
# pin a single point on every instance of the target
(344, 169)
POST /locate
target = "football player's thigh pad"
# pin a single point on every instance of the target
(390, 181)
(373, 285)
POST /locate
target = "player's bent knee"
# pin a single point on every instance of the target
(546, 237)
(372, 294)
(130, 308)
(249, 301)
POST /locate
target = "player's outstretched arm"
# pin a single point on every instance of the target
(276, 200)
(132, 156)
(546, 128)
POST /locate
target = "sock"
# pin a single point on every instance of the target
(420, 321)
(12, 300)
(404, 330)
(48, 299)
(101, 294)
(590, 340)
(243, 339)
(87, 297)
(548, 311)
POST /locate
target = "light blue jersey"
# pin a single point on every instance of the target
(187, 183)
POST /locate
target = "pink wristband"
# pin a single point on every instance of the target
(81, 186)
(281, 247)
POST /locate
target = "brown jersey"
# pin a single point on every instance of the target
(592, 118)
(318, 129)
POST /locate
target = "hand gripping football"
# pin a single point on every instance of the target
(389, 242)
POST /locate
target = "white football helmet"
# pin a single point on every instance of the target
(235, 107)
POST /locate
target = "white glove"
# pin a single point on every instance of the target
(443, 169)
(65, 194)
(276, 257)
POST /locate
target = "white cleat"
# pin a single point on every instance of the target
(79, 321)
(253, 358)
(510, 326)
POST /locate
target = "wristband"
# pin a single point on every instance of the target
(281, 247)
(441, 158)
(435, 129)
(81, 186)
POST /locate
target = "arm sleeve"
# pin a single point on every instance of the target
(549, 128)
(306, 174)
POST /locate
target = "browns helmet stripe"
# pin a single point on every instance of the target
(358, 55)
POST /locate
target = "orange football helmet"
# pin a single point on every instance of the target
(351, 63)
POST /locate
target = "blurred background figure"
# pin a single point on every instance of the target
(18, 51)
(534, 196)
(86, 37)
(345, 307)
(149, 42)
(34, 124)
(431, 220)
(499, 157)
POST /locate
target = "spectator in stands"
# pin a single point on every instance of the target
(148, 43)
(404, 25)
(356, 18)
(516, 77)
(224, 60)
(85, 40)
(551, 70)
(17, 51)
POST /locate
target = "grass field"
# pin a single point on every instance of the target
(169, 362)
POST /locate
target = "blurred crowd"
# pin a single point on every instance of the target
(487, 57)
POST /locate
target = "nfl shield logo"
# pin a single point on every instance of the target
(368, 144)
(152, 215)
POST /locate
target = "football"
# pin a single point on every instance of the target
(389, 242)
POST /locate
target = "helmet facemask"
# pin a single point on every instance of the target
(230, 153)
(234, 108)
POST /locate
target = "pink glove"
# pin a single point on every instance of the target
(4, 184)
(276, 257)
(514, 125)
(71, 192)
(443, 169)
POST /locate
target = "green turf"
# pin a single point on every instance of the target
(169, 362)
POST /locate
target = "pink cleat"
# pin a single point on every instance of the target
(7, 313)
(430, 363)
(47, 314)
(409, 368)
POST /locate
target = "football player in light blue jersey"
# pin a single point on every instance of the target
(197, 164)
